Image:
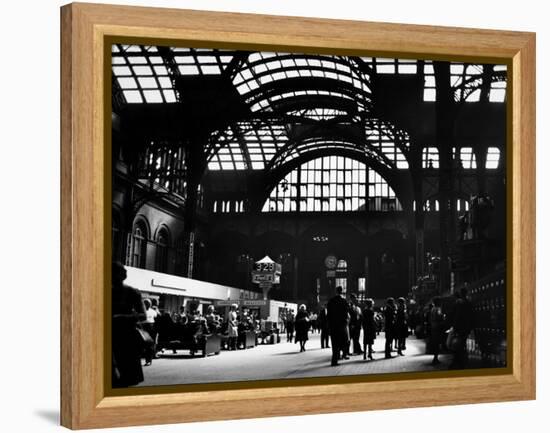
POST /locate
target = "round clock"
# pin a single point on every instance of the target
(331, 261)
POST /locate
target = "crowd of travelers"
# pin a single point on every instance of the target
(342, 322)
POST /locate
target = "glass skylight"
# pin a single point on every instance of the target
(467, 81)
(263, 69)
(141, 74)
(260, 145)
(196, 61)
(380, 137)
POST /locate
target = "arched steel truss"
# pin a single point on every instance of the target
(310, 104)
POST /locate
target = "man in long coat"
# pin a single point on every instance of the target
(338, 323)
(389, 325)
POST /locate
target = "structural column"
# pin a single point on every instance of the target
(196, 165)
(445, 115)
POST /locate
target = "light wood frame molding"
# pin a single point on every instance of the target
(84, 403)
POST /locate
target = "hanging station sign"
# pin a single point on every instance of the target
(266, 273)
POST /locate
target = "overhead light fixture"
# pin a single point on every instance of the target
(320, 238)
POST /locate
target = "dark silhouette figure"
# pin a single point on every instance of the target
(401, 326)
(389, 325)
(462, 325)
(302, 327)
(338, 322)
(322, 322)
(437, 328)
(290, 322)
(369, 329)
(127, 310)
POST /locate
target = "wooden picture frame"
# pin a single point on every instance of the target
(84, 233)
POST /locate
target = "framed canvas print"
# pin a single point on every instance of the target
(268, 216)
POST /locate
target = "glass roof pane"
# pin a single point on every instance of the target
(406, 68)
(148, 82)
(137, 60)
(131, 48)
(169, 96)
(180, 60)
(142, 70)
(152, 96)
(127, 83)
(121, 70)
(497, 95)
(132, 96)
(210, 69)
(165, 82)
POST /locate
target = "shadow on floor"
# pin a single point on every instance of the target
(49, 415)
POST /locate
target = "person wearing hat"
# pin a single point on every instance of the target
(338, 322)
(302, 327)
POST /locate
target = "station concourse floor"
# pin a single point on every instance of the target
(284, 361)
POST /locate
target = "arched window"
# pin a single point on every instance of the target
(161, 258)
(139, 246)
(342, 265)
(431, 205)
(493, 158)
(332, 184)
(462, 205)
(468, 158)
(341, 274)
(430, 157)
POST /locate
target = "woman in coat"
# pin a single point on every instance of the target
(302, 327)
(369, 328)
(232, 327)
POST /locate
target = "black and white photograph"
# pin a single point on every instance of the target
(283, 215)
